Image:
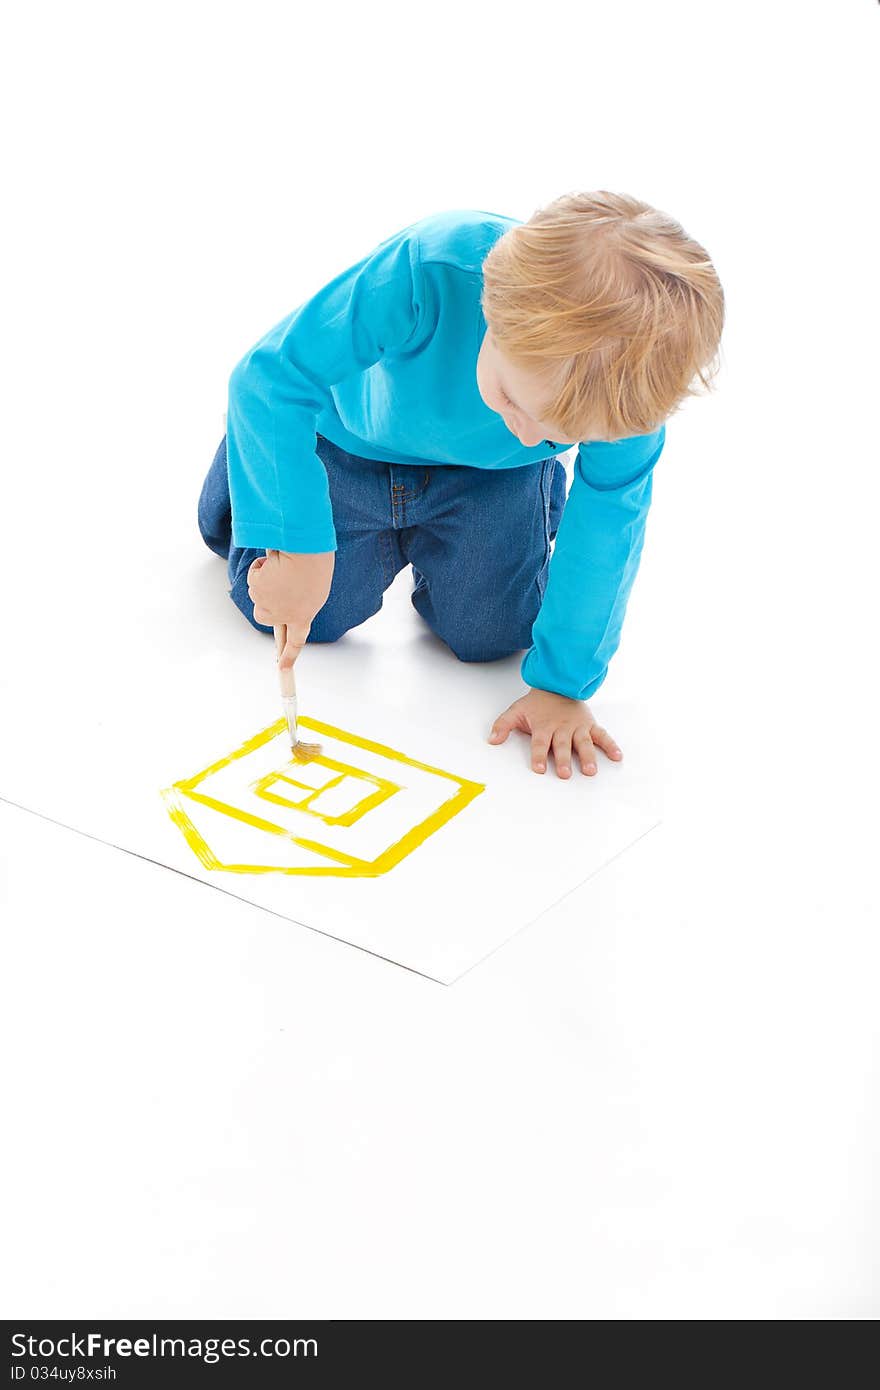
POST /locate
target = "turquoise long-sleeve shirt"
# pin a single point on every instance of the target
(382, 362)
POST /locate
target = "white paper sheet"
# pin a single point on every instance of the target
(163, 679)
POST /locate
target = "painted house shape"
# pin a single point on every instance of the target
(355, 810)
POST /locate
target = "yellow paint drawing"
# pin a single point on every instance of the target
(350, 819)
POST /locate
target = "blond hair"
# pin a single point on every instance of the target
(614, 307)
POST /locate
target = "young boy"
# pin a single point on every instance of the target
(412, 412)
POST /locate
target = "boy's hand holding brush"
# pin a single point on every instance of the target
(288, 591)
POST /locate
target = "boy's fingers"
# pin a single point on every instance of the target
(501, 728)
(290, 653)
(585, 751)
(296, 636)
(603, 739)
(540, 744)
(562, 752)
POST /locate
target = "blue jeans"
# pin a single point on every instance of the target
(478, 541)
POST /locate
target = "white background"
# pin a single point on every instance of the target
(660, 1100)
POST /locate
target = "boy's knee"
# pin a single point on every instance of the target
(339, 616)
(484, 641)
(481, 630)
(476, 645)
(488, 644)
(325, 634)
(485, 652)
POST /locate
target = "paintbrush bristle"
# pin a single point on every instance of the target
(304, 751)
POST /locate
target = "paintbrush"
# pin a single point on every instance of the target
(301, 751)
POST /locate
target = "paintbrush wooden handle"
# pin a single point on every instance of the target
(288, 682)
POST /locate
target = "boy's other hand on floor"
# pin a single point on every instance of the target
(557, 722)
(290, 589)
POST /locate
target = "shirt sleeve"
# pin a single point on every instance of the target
(278, 485)
(593, 566)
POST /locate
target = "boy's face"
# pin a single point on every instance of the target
(515, 395)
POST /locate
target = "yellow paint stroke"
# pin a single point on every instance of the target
(345, 865)
(367, 803)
